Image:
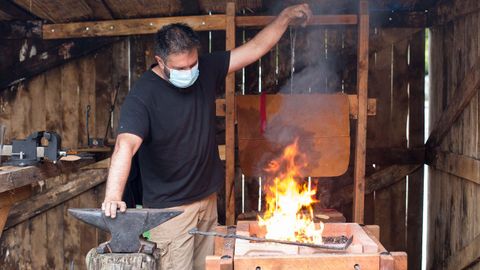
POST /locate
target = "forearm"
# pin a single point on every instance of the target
(118, 172)
(269, 36)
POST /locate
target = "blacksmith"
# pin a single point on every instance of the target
(169, 118)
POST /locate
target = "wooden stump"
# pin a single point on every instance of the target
(122, 261)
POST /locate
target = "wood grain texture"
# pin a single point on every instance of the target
(129, 27)
(230, 122)
(453, 208)
(375, 182)
(80, 182)
(462, 97)
(318, 121)
(50, 101)
(57, 11)
(15, 177)
(361, 129)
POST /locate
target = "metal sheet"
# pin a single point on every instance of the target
(320, 121)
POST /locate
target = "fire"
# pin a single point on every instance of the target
(289, 214)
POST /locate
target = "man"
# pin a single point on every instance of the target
(169, 118)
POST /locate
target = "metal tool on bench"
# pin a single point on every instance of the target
(125, 228)
(38, 146)
(343, 245)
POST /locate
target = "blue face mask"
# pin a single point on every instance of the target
(184, 78)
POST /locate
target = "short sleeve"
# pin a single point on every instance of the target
(134, 117)
(223, 60)
(218, 62)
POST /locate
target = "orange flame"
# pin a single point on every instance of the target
(289, 214)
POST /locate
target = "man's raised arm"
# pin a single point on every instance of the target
(268, 37)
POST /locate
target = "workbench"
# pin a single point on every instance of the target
(16, 185)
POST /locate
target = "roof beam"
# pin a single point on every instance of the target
(50, 58)
(129, 26)
(150, 26)
(14, 12)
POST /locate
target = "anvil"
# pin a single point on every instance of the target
(125, 228)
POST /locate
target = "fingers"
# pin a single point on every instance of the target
(300, 14)
(123, 206)
(305, 13)
(110, 208)
(113, 210)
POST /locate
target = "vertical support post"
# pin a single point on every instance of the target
(361, 136)
(230, 121)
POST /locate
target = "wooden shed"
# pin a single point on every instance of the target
(408, 70)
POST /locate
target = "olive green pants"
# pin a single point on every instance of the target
(179, 250)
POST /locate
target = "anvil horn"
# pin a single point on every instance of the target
(89, 215)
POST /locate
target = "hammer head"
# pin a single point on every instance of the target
(125, 228)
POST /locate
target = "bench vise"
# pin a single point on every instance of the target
(38, 146)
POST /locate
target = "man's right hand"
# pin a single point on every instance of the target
(110, 207)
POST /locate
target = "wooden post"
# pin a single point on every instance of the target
(360, 142)
(230, 121)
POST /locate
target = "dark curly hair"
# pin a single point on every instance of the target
(175, 38)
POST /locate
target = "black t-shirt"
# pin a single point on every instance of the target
(179, 160)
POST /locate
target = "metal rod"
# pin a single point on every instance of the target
(338, 247)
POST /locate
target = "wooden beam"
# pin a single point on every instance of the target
(463, 258)
(361, 136)
(3, 217)
(461, 166)
(7, 199)
(78, 183)
(151, 25)
(378, 180)
(20, 29)
(353, 106)
(261, 21)
(9, 10)
(462, 97)
(389, 156)
(51, 58)
(15, 177)
(129, 26)
(400, 260)
(230, 121)
(353, 103)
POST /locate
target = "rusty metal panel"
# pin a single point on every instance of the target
(320, 121)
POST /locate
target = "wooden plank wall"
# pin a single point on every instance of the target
(325, 62)
(453, 209)
(57, 101)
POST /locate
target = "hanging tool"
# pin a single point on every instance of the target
(92, 142)
(343, 244)
(125, 228)
(112, 108)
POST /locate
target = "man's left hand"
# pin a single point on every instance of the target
(300, 12)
